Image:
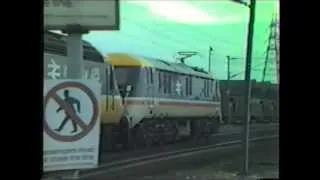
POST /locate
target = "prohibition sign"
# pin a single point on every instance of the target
(52, 94)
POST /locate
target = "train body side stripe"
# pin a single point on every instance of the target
(172, 102)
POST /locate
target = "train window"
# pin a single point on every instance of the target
(90, 54)
(165, 82)
(107, 79)
(151, 76)
(217, 88)
(208, 87)
(213, 90)
(182, 123)
(169, 83)
(147, 74)
(190, 85)
(111, 85)
(126, 75)
(160, 80)
(205, 88)
(107, 87)
(187, 86)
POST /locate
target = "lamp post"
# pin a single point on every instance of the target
(210, 53)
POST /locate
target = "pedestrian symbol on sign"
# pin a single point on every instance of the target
(53, 104)
(70, 101)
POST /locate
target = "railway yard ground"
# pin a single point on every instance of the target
(238, 128)
(217, 163)
(263, 163)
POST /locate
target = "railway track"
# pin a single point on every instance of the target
(147, 164)
(217, 138)
(120, 162)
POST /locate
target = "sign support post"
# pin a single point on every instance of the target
(75, 49)
(74, 52)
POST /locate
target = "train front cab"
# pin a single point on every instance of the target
(124, 75)
(112, 110)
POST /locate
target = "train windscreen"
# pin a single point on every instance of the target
(126, 76)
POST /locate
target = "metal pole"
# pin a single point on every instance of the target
(248, 86)
(75, 50)
(228, 90)
(75, 54)
(228, 61)
(210, 52)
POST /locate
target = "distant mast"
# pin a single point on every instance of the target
(272, 51)
(277, 22)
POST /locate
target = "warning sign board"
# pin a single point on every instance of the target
(71, 124)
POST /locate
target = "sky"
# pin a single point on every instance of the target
(161, 28)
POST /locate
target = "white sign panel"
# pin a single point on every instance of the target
(90, 14)
(71, 125)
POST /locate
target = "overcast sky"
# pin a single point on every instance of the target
(160, 28)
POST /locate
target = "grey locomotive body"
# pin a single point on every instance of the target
(166, 101)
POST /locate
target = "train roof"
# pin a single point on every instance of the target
(55, 43)
(130, 60)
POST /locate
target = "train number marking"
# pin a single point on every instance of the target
(94, 74)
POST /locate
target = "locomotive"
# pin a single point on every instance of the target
(144, 100)
(165, 101)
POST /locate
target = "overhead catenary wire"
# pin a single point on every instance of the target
(196, 36)
(253, 69)
(146, 28)
(176, 43)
